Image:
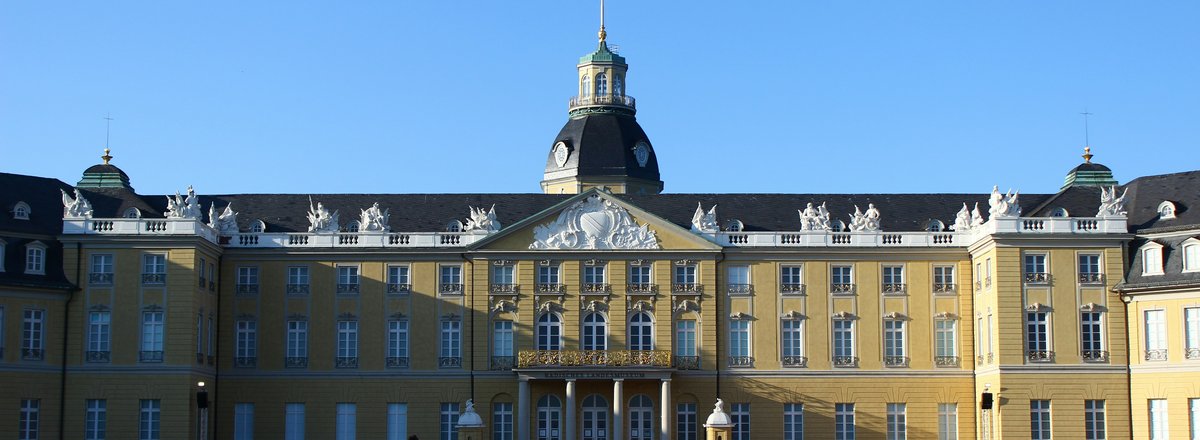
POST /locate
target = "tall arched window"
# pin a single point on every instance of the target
(549, 418)
(618, 86)
(549, 332)
(641, 418)
(595, 332)
(641, 331)
(585, 86)
(601, 84)
(595, 418)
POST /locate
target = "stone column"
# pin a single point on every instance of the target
(523, 409)
(664, 426)
(569, 422)
(618, 432)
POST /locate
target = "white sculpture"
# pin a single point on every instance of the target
(320, 220)
(1003, 205)
(705, 222)
(865, 222)
(226, 223)
(594, 223)
(814, 219)
(1110, 204)
(469, 418)
(482, 221)
(181, 207)
(962, 221)
(976, 217)
(77, 207)
(373, 219)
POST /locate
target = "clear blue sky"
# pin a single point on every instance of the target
(466, 96)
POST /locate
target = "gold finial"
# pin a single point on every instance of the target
(1087, 154)
(603, 34)
(107, 157)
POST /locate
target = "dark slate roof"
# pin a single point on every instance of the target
(1079, 201)
(44, 224)
(1173, 274)
(1089, 166)
(113, 202)
(602, 145)
(105, 169)
(1146, 193)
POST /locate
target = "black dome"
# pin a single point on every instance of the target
(105, 169)
(603, 144)
(1088, 166)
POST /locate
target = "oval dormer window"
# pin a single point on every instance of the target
(132, 213)
(21, 211)
(1166, 210)
(258, 226)
(734, 225)
(454, 226)
(352, 226)
(935, 226)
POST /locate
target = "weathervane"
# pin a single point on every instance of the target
(1087, 142)
(107, 130)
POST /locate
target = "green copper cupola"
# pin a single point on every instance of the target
(104, 175)
(1089, 173)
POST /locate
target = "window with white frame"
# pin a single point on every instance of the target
(739, 343)
(297, 280)
(101, 271)
(739, 414)
(739, 279)
(549, 418)
(641, 332)
(347, 344)
(548, 275)
(945, 342)
(793, 421)
(211, 337)
(1039, 419)
(947, 421)
(450, 277)
(1191, 255)
(246, 348)
(297, 343)
(685, 341)
(1035, 268)
(841, 279)
(1037, 336)
(502, 421)
(502, 341)
(152, 336)
(33, 334)
(397, 421)
(792, 342)
(897, 428)
(21, 211)
(843, 343)
(154, 268)
(95, 422)
(1166, 210)
(639, 275)
(549, 332)
(1091, 336)
(1152, 259)
(99, 336)
(293, 421)
(685, 421)
(29, 421)
(585, 86)
(450, 354)
(893, 279)
(843, 421)
(347, 419)
(397, 348)
(595, 331)
(978, 277)
(1159, 429)
(348, 280)
(601, 84)
(503, 275)
(685, 274)
(35, 258)
(593, 275)
(200, 337)
(943, 279)
(791, 279)
(1089, 269)
(247, 279)
(1156, 335)
(1194, 413)
(895, 353)
(1, 332)
(148, 420)
(1191, 332)
(1093, 420)
(449, 418)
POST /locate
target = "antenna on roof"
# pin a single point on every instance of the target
(1086, 142)
(107, 130)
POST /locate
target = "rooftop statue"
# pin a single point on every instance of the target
(226, 223)
(865, 222)
(1003, 205)
(962, 220)
(374, 219)
(976, 217)
(187, 208)
(320, 220)
(1110, 204)
(77, 207)
(705, 222)
(814, 218)
(482, 221)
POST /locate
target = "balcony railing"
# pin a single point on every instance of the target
(203, 282)
(347, 288)
(791, 289)
(1091, 278)
(98, 356)
(841, 288)
(1094, 355)
(1039, 355)
(450, 362)
(739, 289)
(150, 356)
(946, 361)
(641, 288)
(154, 278)
(687, 362)
(595, 288)
(345, 362)
(1156, 355)
(504, 289)
(741, 362)
(1037, 278)
(295, 362)
(687, 288)
(845, 361)
(32, 354)
(946, 288)
(246, 289)
(593, 358)
(550, 288)
(602, 101)
(100, 278)
(245, 361)
(297, 289)
(795, 361)
(893, 288)
(396, 362)
(398, 288)
(1192, 353)
(895, 361)
(503, 363)
(450, 288)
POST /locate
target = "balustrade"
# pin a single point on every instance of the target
(593, 358)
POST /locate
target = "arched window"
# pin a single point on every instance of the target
(352, 226)
(618, 86)
(21, 211)
(132, 213)
(258, 226)
(601, 84)
(641, 332)
(935, 226)
(1191, 256)
(549, 332)
(1166, 210)
(585, 85)
(595, 332)
(641, 418)
(549, 418)
(595, 418)
(1059, 212)
(454, 226)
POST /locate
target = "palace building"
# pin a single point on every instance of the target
(601, 308)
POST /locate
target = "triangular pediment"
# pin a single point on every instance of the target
(594, 220)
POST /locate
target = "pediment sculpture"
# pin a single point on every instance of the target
(865, 221)
(374, 219)
(594, 223)
(814, 218)
(181, 207)
(1003, 205)
(705, 222)
(77, 207)
(482, 220)
(320, 220)
(1110, 204)
(226, 222)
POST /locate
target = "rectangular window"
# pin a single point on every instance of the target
(28, 424)
(739, 279)
(33, 334)
(397, 348)
(503, 275)
(102, 269)
(1035, 268)
(1091, 337)
(148, 421)
(1191, 332)
(947, 421)
(502, 421)
(297, 276)
(987, 273)
(247, 342)
(843, 421)
(211, 339)
(793, 421)
(1159, 429)
(203, 278)
(946, 342)
(1037, 336)
(95, 422)
(593, 275)
(297, 341)
(1, 327)
(894, 354)
(293, 421)
(502, 338)
(152, 336)
(740, 416)
(99, 333)
(200, 338)
(1039, 419)
(896, 426)
(243, 421)
(1093, 420)
(448, 419)
(35, 260)
(397, 421)
(451, 344)
(347, 344)
(685, 421)
(685, 274)
(841, 279)
(346, 420)
(893, 279)
(792, 340)
(639, 275)
(978, 276)
(1194, 412)
(1152, 261)
(1156, 335)
(247, 279)
(843, 343)
(154, 264)
(398, 279)
(348, 279)
(685, 337)
(791, 279)
(548, 274)
(1089, 269)
(943, 279)
(450, 278)
(739, 343)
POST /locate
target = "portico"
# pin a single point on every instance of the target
(587, 410)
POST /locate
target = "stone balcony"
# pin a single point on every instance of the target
(594, 358)
(625, 101)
